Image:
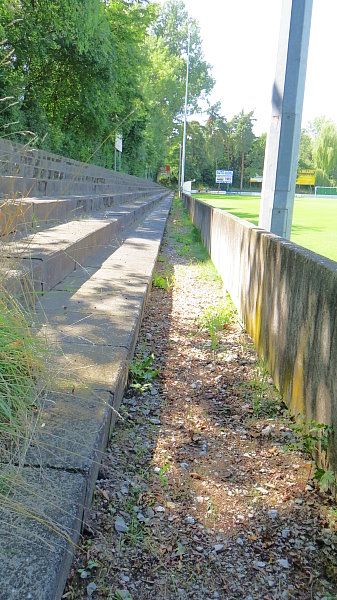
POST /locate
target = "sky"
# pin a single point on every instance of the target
(240, 40)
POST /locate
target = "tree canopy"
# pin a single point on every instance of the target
(73, 72)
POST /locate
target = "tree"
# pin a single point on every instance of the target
(255, 157)
(196, 157)
(325, 150)
(77, 65)
(164, 82)
(216, 132)
(305, 155)
(242, 125)
(72, 72)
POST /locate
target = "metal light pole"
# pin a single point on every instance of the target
(185, 114)
(179, 176)
(280, 165)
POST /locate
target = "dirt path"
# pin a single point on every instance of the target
(199, 496)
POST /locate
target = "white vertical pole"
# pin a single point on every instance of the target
(179, 176)
(185, 113)
(280, 165)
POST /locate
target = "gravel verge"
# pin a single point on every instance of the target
(199, 494)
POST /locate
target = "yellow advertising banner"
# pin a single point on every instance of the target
(305, 177)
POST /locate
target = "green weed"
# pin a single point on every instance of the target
(135, 533)
(141, 373)
(215, 318)
(162, 478)
(312, 437)
(326, 479)
(259, 385)
(20, 365)
(162, 281)
(184, 250)
(91, 564)
(121, 595)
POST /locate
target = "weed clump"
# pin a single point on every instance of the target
(141, 373)
(215, 318)
(163, 281)
(20, 365)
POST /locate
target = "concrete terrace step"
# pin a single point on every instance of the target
(28, 172)
(46, 257)
(14, 156)
(15, 187)
(30, 213)
(44, 170)
(93, 318)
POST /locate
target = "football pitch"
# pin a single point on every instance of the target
(314, 219)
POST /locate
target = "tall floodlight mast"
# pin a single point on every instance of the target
(179, 176)
(185, 113)
(280, 165)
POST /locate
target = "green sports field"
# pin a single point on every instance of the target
(314, 219)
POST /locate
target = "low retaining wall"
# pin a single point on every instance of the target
(287, 298)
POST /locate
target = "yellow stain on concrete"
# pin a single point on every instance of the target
(297, 404)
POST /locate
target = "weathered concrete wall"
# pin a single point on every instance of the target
(287, 297)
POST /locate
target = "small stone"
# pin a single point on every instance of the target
(170, 505)
(154, 391)
(184, 466)
(140, 517)
(120, 525)
(262, 490)
(200, 499)
(190, 520)
(240, 541)
(149, 512)
(272, 514)
(156, 470)
(124, 490)
(266, 431)
(84, 574)
(259, 564)
(159, 509)
(285, 533)
(283, 562)
(218, 548)
(91, 588)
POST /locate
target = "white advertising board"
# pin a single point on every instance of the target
(224, 176)
(119, 142)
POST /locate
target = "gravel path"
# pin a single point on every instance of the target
(199, 495)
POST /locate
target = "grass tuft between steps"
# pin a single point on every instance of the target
(21, 360)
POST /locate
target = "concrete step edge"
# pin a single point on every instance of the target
(45, 573)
